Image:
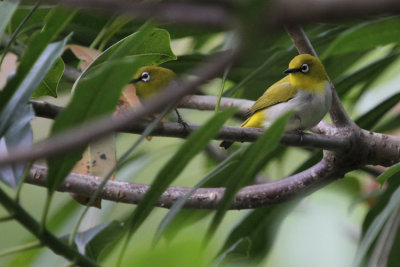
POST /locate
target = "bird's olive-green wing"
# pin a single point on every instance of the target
(279, 92)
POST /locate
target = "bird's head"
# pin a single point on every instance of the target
(307, 72)
(150, 80)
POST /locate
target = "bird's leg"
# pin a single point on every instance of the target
(301, 133)
(181, 121)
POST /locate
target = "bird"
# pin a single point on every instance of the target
(150, 80)
(305, 91)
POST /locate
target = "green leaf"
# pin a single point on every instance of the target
(254, 236)
(366, 74)
(372, 117)
(212, 179)
(366, 35)
(30, 82)
(7, 8)
(388, 174)
(91, 242)
(154, 42)
(389, 125)
(193, 145)
(376, 226)
(49, 85)
(55, 21)
(253, 160)
(18, 135)
(97, 92)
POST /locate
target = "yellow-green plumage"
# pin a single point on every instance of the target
(305, 91)
(159, 78)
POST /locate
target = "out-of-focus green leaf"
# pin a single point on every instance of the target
(314, 158)
(366, 35)
(91, 242)
(193, 145)
(388, 173)
(393, 257)
(49, 85)
(365, 74)
(98, 93)
(375, 226)
(116, 25)
(30, 82)
(18, 135)
(55, 21)
(389, 125)
(372, 117)
(253, 160)
(253, 237)
(7, 8)
(219, 171)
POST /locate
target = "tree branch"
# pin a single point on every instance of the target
(253, 196)
(229, 133)
(207, 15)
(307, 11)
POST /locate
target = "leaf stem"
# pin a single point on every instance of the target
(21, 248)
(44, 236)
(6, 219)
(17, 30)
(49, 197)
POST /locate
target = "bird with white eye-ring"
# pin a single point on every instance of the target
(305, 91)
(151, 80)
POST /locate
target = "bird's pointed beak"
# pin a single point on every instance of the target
(291, 70)
(135, 80)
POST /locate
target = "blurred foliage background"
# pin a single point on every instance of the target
(324, 229)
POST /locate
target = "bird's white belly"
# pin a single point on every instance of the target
(308, 108)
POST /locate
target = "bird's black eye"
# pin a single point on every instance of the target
(145, 77)
(304, 68)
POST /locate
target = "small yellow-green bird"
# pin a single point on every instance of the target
(305, 91)
(149, 80)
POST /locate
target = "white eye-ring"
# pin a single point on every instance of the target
(145, 77)
(304, 68)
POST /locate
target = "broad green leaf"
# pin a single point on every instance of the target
(33, 78)
(98, 92)
(375, 227)
(55, 21)
(388, 174)
(365, 74)
(18, 135)
(254, 236)
(253, 160)
(366, 35)
(91, 242)
(7, 8)
(158, 38)
(193, 145)
(49, 85)
(372, 117)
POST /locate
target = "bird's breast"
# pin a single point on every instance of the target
(308, 109)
